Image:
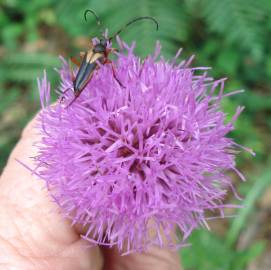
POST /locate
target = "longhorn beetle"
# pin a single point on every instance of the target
(98, 52)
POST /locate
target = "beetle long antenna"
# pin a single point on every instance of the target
(96, 16)
(133, 21)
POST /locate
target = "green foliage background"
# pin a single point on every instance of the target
(232, 36)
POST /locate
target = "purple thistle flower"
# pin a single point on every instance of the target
(133, 163)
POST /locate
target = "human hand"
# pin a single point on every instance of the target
(34, 235)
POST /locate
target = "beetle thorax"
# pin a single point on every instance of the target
(99, 48)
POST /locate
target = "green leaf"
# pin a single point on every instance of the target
(210, 252)
(10, 34)
(8, 98)
(228, 61)
(239, 21)
(246, 256)
(260, 184)
(21, 67)
(173, 22)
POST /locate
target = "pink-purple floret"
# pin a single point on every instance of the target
(134, 163)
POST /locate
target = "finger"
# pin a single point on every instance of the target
(156, 258)
(33, 233)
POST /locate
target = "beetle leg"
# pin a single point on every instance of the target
(112, 50)
(108, 51)
(62, 98)
(75, 61)
(76, 97)
(108, 61)
(72, 101)
(71, 73)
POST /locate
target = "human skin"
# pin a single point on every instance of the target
(34, 235)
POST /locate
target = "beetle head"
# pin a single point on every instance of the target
(103, 41)
(101, 46)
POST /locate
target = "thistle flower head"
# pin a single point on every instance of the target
(132, 162)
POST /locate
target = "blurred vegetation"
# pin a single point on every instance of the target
(231, 36)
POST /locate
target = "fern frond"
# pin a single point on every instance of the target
(239, 20)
